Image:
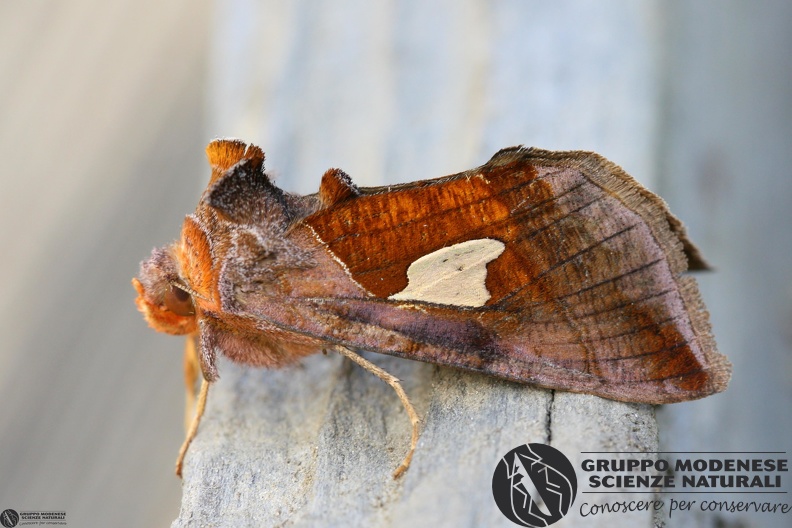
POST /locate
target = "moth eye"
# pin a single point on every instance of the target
(179, 301)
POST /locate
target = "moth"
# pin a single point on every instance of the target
(550, 268)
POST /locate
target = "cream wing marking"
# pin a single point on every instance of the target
(453, 275)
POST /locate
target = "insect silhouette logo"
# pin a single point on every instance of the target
(9, 518)
(534, 485)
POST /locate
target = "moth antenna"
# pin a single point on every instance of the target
(199, 410)
(393, 381)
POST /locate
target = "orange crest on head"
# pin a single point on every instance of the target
(225, 153)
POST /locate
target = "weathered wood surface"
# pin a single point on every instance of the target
(316, 445)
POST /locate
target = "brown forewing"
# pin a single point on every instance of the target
(587, 295)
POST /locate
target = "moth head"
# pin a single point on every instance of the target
(165, 301)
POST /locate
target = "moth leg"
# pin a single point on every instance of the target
(192, 368)
(199, 410)
(393, 381)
